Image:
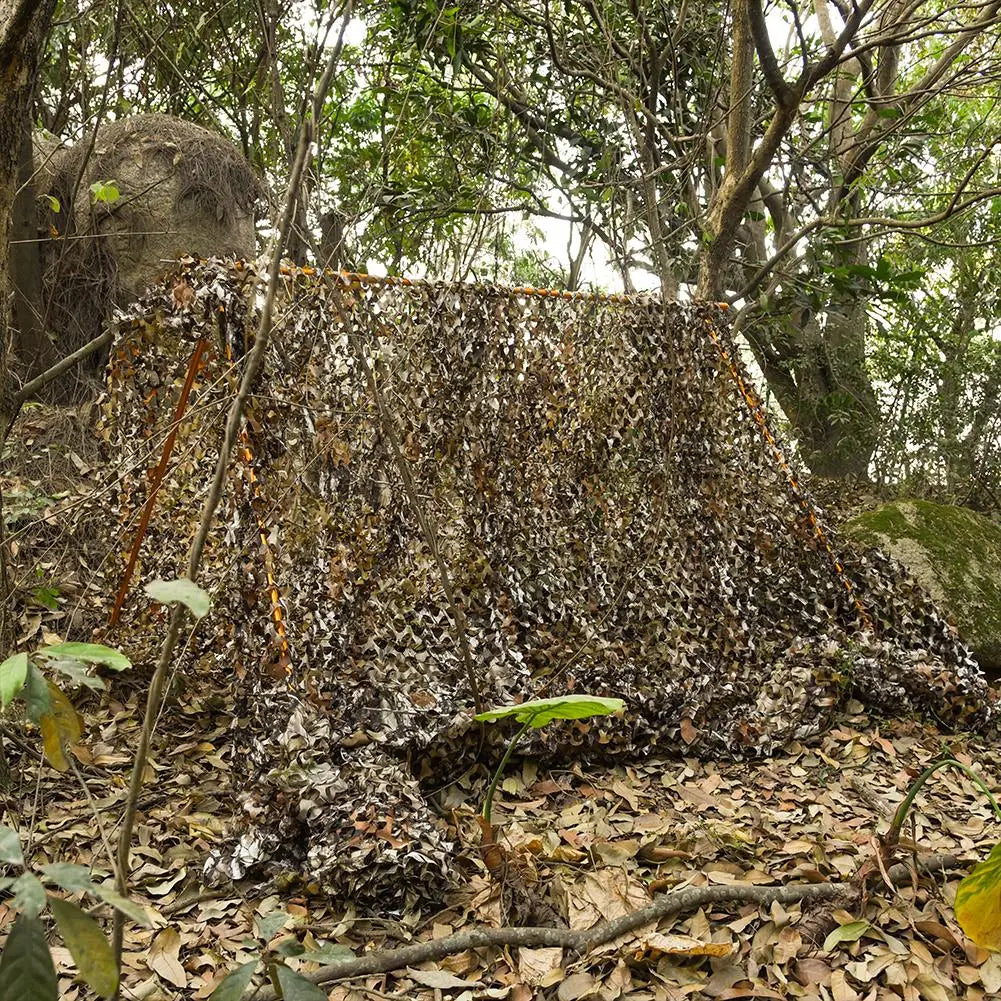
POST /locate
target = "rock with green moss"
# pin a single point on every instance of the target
(955, 554)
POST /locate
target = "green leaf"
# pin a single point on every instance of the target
(53, 203)
(850, 932)
(128, 907)
(29, 894)
(538, 712)
(91, 951)
(89, 653)
(978, 902)
(329, 953)
(77, 672)
(295, 987)
(37, 701)
(13, 672)
(26, 970)
(105, 191)
(271, 924)
(289, 947)
(10, 847)
(182, 590)
(71, 877)
(232, 986)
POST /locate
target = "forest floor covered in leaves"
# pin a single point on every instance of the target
(592, 843)
(589, 844)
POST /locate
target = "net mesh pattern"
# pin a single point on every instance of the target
(613, 513)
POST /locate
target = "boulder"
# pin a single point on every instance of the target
(181, 189)
(955, 554)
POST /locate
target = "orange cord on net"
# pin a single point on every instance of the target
(157, 480)
(755, 406)
(277, 609)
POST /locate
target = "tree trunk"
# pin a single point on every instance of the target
(35, 351)
(23, 26)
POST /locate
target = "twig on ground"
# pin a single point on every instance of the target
(679, 901)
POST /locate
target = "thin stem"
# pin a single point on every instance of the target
(893, 834)
(489, 801)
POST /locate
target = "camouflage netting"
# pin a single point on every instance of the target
(611, 516)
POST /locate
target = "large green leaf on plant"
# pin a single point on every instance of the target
(29, 894)
(128, 907)
(271, 924)
(187, 592)
(26, 970)
(13, 672)
(89, 653)
(232, 986)
(538, 712)
(978, 902)
(91, 951)
(295, 987)
(71, 877)
(36, 694)
(10, 847)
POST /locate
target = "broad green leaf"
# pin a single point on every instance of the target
(71, 877)
(53, 202)
(90, 949)
(60, 728)
(89, 653)
(13, 671)
(289, 947)
(76, 671)
(105, 191)
(36, 694)
(978, 902)
(232, 986)
(183, 590)
(26, 970)
(123, 904)
(29, 894)
(850, 932)
(329, 953)
(295, 987)
(539, 712)
(271, 924)
(10, 847)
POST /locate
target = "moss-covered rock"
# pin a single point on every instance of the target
(955, 554)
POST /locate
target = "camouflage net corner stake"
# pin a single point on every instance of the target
(615, 515)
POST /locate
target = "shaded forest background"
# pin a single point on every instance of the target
(831, 170)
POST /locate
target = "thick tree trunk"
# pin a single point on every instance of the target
(23, 25)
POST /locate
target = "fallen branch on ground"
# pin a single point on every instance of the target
(581, 942)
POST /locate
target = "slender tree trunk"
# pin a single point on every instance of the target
(34, 350)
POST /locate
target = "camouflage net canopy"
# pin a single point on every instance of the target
(607, 502)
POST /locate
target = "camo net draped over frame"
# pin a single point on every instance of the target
(611, 517)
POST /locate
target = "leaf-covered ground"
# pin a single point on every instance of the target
(590, 843)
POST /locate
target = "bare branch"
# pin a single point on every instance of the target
(676, 902)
